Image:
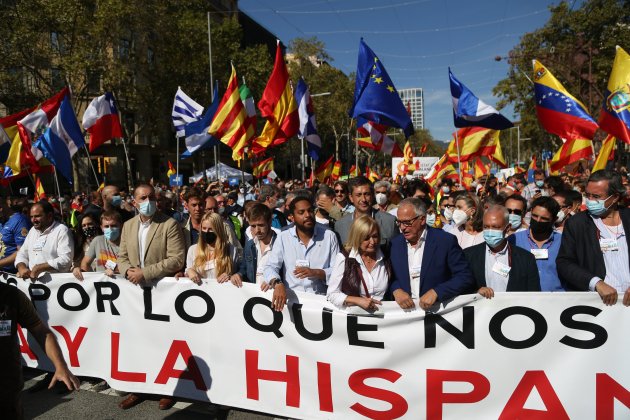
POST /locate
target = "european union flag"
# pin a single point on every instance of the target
(375, 97)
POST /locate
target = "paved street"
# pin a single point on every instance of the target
(92, 403)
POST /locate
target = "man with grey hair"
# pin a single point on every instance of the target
(498, 266)
(381, 195)
(427, 264)
(594, 250)
(269, 195)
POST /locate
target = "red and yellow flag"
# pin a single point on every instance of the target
(606, 153)
(473, 141)
(171, 169)
(532, 164)
(480, 168)
(324, 170)
(354, 172)
(467, 177)
(440, 169)
(336, 171)
(371, 175)
(278, 106)
(263, 168)
(571, 151)
(497, 156)
(40, 194)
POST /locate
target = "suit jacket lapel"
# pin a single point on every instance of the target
(133, 249)
(150, 234)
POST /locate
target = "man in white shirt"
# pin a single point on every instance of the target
(48, 247)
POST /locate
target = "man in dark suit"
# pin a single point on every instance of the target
(362, 197)
(594, 250)
(497, 265)
(427, 263)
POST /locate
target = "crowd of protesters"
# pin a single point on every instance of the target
(355, 242)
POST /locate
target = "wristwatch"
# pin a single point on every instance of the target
(274, 281)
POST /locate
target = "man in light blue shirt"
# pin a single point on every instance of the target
(302, 256)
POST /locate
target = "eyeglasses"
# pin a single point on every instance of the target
(339, 191)
(449, 206)
(515, 211)
(406, 223)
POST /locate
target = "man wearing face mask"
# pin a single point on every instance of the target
(446, 212)
(497, 265)
(537, 188)
(565, 201)
(112, 200)
(516, 207)
(543, 241)
(104, 249)
(381, 195)
(594, 251)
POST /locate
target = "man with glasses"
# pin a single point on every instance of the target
(362, 197)
(543, 241)
(447, 206)
(341, 197)
(516, 207)
(428, 265)
(594, 250)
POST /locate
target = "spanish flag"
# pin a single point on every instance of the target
(605, 153)
(441, 168)
(354, 172)
(171, 170)
(229, 120)
(571, 151)
(263, 168)
(324, 170)
(473, 141)
(371, 175)
(467, 177)
(278, 106)
(497, 156)
(336, 171)
(480, 168)
(39, 189)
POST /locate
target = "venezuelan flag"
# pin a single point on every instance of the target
(558, 111)
(615, 114)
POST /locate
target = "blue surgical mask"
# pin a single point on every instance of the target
(116, 201)
(515, 220)
(493, 237)
(111, 233)
(446, 190)
(597, 207)
(431, 220)
(148, 208)
(540, 184)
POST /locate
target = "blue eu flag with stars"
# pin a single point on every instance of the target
(375, 96)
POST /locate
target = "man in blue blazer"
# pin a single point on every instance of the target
(427, 263)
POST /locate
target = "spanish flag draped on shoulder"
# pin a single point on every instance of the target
(278, 106)
(229, 121)
(615, 115)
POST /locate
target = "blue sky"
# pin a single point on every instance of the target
(415, 39)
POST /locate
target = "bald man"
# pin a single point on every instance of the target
(498, 266)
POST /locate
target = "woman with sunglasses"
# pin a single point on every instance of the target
(361, 273)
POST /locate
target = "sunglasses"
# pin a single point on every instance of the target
(515, 211)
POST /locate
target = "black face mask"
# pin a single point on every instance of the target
(541, 229)
(90, 232)
(209, 237)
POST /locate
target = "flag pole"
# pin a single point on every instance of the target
(91, 165)
(459, 163)
(58, 191)
(303, 160)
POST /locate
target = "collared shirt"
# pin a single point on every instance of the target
(530, 191)
(261, 258)
(547, 271)
(12, 235)
(465, 239)
(143, 229)
(496, 281)
(53, 246)
(617, 262)
(288, 252)
(414, 258)
(376, 281)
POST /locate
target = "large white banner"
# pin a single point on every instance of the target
(519, 355)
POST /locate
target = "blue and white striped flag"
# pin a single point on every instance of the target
(308, 127)
(185, 110)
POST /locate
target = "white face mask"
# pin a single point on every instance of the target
(448, 214)
(460, 217)
(381, 199)
(561, 216)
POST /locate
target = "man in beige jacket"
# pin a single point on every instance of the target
(151, 247)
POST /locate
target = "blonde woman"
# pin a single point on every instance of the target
(361, 273)
(212, 257)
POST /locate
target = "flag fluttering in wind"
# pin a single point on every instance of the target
(467, 177)
(408, 157)
(324, 170)
(532, 164)
(423, 149)
(101, 120)
(62, 139)
(571, 151)
(614, 117)
(469, 110)
(497, 156)
(263, 168)
(375, 97)
(171, 169)
(558, 111)
(606, 153)
(443, 167)
(278, 106)
(40, 194)
(480, 168)
(354, 172)
(250, 110)
(9, 133)
(185, 110)
(373, 136)
(196, 132)
(371, 175)
(473, 141)
(336, 171)
(308, 126)
(228, 124)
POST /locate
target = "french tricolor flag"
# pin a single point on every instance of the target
(101, 120)
(308, 127)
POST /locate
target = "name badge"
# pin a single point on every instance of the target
(111, 265)
(39, 245)
(414, 271)
(608, 244)
(302, 263)
(501, 269)
(5, 328)
(540, 254)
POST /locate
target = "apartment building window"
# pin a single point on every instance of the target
(124, 48)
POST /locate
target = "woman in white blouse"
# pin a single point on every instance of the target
(468, 220)
(212, 257)
(360, 275)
